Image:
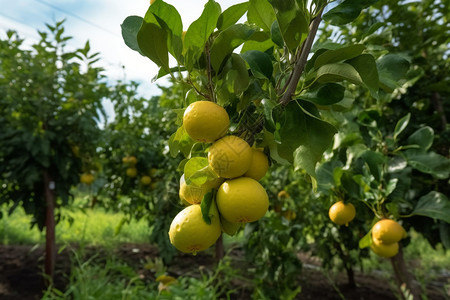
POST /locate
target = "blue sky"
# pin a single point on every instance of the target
(99, 22)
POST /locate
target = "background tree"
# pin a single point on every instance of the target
(51, 103)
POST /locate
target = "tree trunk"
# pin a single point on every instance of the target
(403, 277)
(50, 245)
(220, 251)
(347, 265)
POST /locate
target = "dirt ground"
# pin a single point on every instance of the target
(21, 269)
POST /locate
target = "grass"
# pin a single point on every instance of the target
(95, 227)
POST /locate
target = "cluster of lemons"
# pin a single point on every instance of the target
(386, 233)
(235, 168)
(131, 171)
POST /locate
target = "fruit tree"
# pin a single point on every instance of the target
(264, 84)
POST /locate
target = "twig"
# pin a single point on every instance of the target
(301, 61)
(208, 71)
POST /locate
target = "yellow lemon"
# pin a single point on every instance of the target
(258, 166)
(242, 200)
(146, 180)
(153, 172)
(194, 194)
(388, 231)
(129, 160)
(189, 233)
(229, 227)
(230, 156)
(341, 213)
(289, 215)
(205, 121)
(384, 250)
(131, 172)
(76, 151)
(87, 178)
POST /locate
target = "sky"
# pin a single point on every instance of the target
(99, 22)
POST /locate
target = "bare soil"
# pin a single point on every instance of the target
(21, 269)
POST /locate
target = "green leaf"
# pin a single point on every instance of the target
(428, 162)
(199, 32)
(373, 29)
(162, 72)
(390, 187)
(375, 161)
(197, 171)
(338, 55)
(130, 28)
(261, 13)
(259, 40)
(227, 41)
(304, 137)
(325, 175)
(275, 34)
(259, 62)
(423, 137)
(310, 64)
(366, 240)
(434, 205)
(365, 65)
(347, 11)
(294, 26)
(401, 125)
(119, 225)
(180, 141)
(236, 74)
(269, 106)
(170, 20)
(193, 165)
(391, 68)
(326, 94)
(253, 92)
(152, 41)
(231, 15)
(270, 142)
(338, 72)
(205, 206)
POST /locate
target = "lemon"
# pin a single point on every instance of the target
(242, 200)
(388, 231)
(230, 156)
(131, 172)
(258, 166)
(87, 178)
(76, 151)
(194, 194)
(205, 121)
(146, 180)
(229, 227)
(129, 160)
(384, 250)
(189, 233)
(153, 172)
(289, 215)
(341, 213)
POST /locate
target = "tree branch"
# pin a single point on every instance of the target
(301, 61)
